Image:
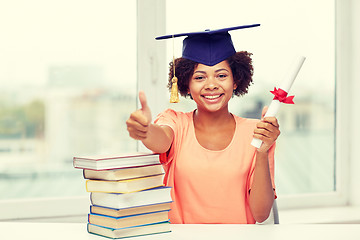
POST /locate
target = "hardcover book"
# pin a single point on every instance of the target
(124, 173)
(129, 211)
(124, 186)
(134, 199)
(163, 227)
(114, 162)
(128, 221)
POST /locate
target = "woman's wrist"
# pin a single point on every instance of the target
(262, 151)
(260, 155)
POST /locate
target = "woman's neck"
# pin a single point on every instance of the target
(214, 131)
(212, 119)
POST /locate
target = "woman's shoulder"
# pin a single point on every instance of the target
(171, 111)
(175, 115)
(245, 121)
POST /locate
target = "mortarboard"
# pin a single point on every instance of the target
(208, 47)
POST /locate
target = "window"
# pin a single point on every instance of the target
(68, 83)
(305, 157)
(69, 70)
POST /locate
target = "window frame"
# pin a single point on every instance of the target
(148, 61)
(340, 196)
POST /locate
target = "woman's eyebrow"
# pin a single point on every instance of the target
(217, 70)
(221, 69)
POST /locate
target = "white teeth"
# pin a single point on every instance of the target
(212, 97)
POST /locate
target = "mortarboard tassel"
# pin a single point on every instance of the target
(174, 94)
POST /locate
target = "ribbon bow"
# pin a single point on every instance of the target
(281, 95)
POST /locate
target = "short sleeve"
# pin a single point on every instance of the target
(167, 118)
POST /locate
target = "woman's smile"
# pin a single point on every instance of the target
(212, 98)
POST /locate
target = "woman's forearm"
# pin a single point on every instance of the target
(262, 193)
(159, 138)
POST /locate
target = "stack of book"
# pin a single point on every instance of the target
(127, 195)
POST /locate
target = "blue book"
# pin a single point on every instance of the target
(116, 233)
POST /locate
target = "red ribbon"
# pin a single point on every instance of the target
(281, 95)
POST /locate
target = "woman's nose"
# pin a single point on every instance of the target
(211, 84)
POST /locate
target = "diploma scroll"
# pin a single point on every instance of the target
(281, 93)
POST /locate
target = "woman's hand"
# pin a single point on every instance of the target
(139, 121)
(267, 130)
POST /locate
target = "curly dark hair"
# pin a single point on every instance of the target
(240, 64)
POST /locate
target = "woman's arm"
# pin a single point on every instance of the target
(159, 138)
(156, 138)
(262, 192)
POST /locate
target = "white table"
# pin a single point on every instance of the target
(77, 231)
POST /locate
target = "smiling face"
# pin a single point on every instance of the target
(211, 87)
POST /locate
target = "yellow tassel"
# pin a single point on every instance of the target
(174, 95)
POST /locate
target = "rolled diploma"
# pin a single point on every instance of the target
(285, 85)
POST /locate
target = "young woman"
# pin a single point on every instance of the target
(216, 175)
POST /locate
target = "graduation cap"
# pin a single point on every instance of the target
(208, 47)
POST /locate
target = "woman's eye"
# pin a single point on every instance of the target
(222, 76)
(199, 78)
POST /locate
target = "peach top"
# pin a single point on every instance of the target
(209, 186)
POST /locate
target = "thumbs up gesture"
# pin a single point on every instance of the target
(139, 121)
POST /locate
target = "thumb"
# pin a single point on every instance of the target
(143, 101)
(144, 106)
(264, 111)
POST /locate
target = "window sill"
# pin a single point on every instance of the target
(346, 214)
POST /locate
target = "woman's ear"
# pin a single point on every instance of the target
(189, 94)
(235, 86)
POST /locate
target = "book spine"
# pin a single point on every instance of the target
(87, 227)
(86, 185)
(91, 199)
